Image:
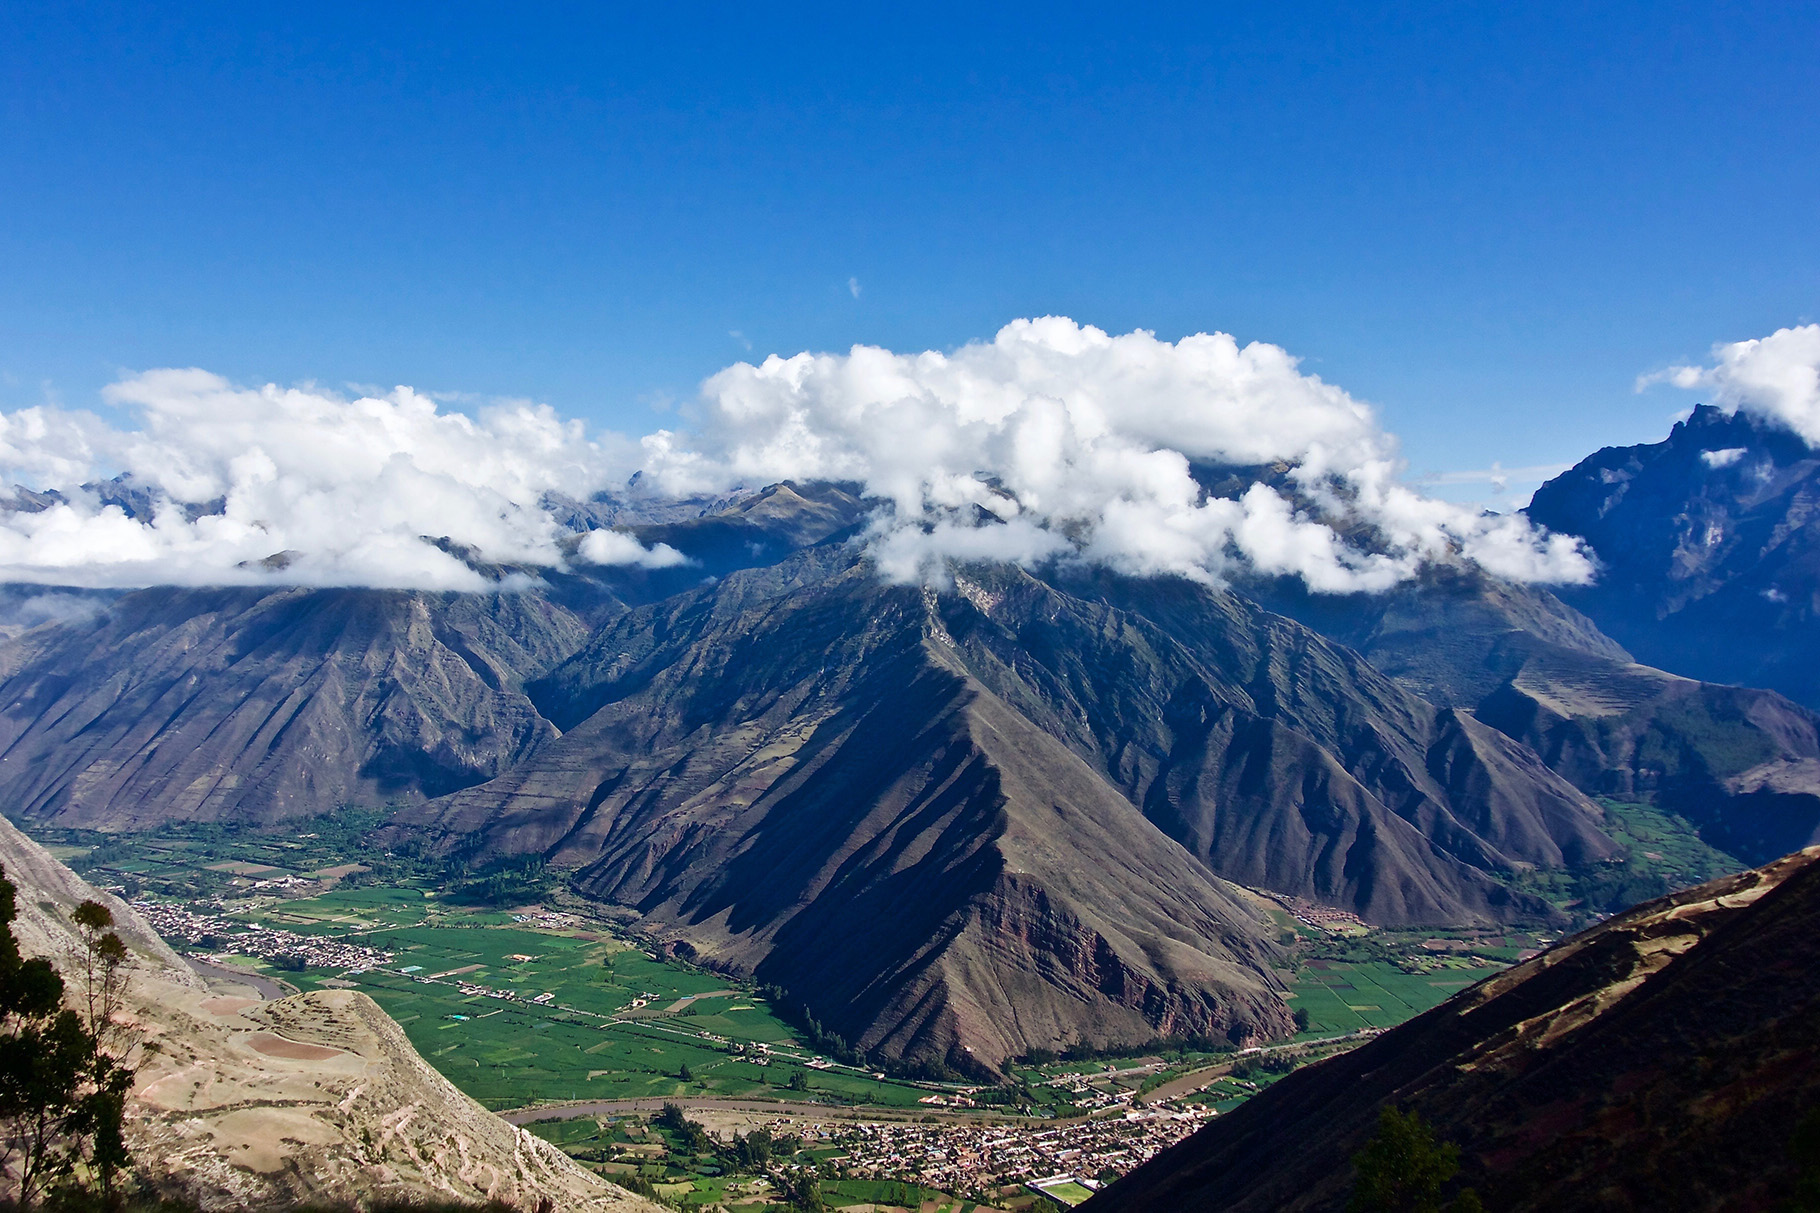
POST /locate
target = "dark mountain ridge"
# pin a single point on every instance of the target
(1661, 1060)
(256, 705)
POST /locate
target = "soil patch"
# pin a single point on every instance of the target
(278, 1046)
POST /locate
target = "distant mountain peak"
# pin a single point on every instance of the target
(1709, 556)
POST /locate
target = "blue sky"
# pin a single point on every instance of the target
(1485, 219)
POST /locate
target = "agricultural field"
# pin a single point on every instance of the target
(1345, 997)
(516, 1013)
(556, 1001)
(1662, 853)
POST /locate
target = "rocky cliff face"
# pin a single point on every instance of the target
(1658, 1061)
(1711, 561)
(245, 1104)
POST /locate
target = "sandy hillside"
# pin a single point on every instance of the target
(243, 1103)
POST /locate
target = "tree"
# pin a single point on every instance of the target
(799, 1080)
(1301, 1019)
(751, 1152)
(1403, 1169)
(683, 1074)
(802, 1188)
(42, 1062)
(695, 1139)
(100, 1114)
(63, 1077)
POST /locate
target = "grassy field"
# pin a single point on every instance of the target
(1662, 853)
(516, 1011)
(613, 1023)
(1343, 997)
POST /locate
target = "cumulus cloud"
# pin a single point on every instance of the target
(1724, 458)
(1051, 441)
(1056, 439)
(1776, 378)
(347, 490)
(617, 547)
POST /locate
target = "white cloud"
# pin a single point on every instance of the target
(350, 486)
(1499, 477)
(617, 547)
(853, 287)
(1051, 440)
(1079, 442)
(1724, 458)
(1775, 377)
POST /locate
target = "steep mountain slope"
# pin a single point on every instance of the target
(1711, 561)
(255, 706)
(1451, 635)
(1742, 765)
(1225, 719)
(828, 801)
(1739, 763)
(1658, 1061)
(1275, 757)
(122, 711)
(764, 764)
(246, 1104)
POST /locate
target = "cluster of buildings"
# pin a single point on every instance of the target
(225, 934)
(1325, 918)
(986, 1162)
(552, 920)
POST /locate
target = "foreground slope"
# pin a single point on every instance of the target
(1658, 1061)
(241, 1103)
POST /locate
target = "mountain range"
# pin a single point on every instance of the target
(1709, 563)
(1017, 809)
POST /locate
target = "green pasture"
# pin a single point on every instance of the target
(508, 1054)
(842, 1193)
(1344, 996)
(581, 1131)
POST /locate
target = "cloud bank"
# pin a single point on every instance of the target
(1076, 443)
(1052, 440)
(290, 485)
(1776, 378)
